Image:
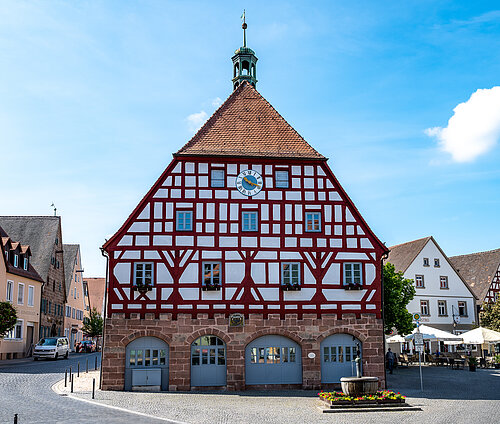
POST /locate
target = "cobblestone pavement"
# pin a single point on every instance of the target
(25, 389)
(450, 396)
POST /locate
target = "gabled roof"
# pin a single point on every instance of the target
(30, 272)
(478, 269)
(96, 287)
(402, 255)
(69, 257)
(246, 125)
(37, 231)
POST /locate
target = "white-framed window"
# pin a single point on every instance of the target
(313, 221)
(249, 221)
(31, 295)
(436, 263)
(20, 294)
(16, 333)
(281, 179)
(442, 308)
(462, 308)
(16, 260)
(211, 274)
(217, 178)
(184, 221)
(426, 261)
(143, 273)
(419, 281)
(26, 264)
(424, 307)
(10, 291)
(290, 274)
(443, 282)
(353, 273)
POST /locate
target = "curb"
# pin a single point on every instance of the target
(56, 388)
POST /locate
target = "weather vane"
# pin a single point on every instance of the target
(244, 26)
(55, 209)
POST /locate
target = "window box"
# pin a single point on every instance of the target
(143, 277)
(352, 286)
(211, 287)
(290, 287)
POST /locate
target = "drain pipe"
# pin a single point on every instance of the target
(384, 256)
(105, 312)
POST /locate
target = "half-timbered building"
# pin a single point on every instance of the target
(482, 271)
(245, 265)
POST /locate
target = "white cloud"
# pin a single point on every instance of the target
(474, 128)
(216, 102)
(195, 120)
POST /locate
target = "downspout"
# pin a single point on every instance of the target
(105, 254)
(384, 256)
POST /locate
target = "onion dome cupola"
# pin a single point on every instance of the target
(244, 62)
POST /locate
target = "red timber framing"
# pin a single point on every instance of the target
(494, 290)
(250, 262)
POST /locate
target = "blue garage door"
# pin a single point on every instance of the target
(146, 363)
(273, 360)
(338, 353)
(208, 362)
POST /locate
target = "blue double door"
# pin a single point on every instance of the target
(208, 362)
(273, 359)
(338, 354)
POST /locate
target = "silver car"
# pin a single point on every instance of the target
(51, 347)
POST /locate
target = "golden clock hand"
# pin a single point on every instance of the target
(249, 182)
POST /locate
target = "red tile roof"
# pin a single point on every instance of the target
(247, 125)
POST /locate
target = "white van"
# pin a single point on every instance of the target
(51, 347)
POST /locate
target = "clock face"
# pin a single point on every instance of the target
(249, 182)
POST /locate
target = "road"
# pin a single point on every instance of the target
(25, 389)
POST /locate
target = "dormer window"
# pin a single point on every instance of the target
(16, 260)
(26, 264)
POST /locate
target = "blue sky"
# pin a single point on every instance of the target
(96, 95)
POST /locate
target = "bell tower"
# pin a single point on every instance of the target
(244, 62)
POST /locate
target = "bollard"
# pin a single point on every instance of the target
(70, 373)
(95, 368)
(78, 375)
(15, 418)
(72, 384)
(87, 366)
(65, 377)
(93, 388)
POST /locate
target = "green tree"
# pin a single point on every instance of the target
(489, 317)
(92, 327)
(8, 318)
(398, 292)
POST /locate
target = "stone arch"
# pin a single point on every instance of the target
(144, 333)
(208, 332)
(341, 330)
(273, 331)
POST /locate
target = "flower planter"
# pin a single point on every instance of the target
(387, 400)
(364, 401)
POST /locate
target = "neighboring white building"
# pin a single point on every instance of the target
(443, 297)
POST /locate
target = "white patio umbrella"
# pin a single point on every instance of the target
(433, 334)
(481, 336)
(396, 338)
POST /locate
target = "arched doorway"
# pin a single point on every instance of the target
(338, 353)
(273, 359)
(208, 362)
(146, 364)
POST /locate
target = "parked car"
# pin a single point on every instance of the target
(87, 346)
(51, 347)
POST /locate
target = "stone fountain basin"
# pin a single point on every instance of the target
(359, 386)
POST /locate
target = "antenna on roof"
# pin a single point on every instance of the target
(55, 209)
